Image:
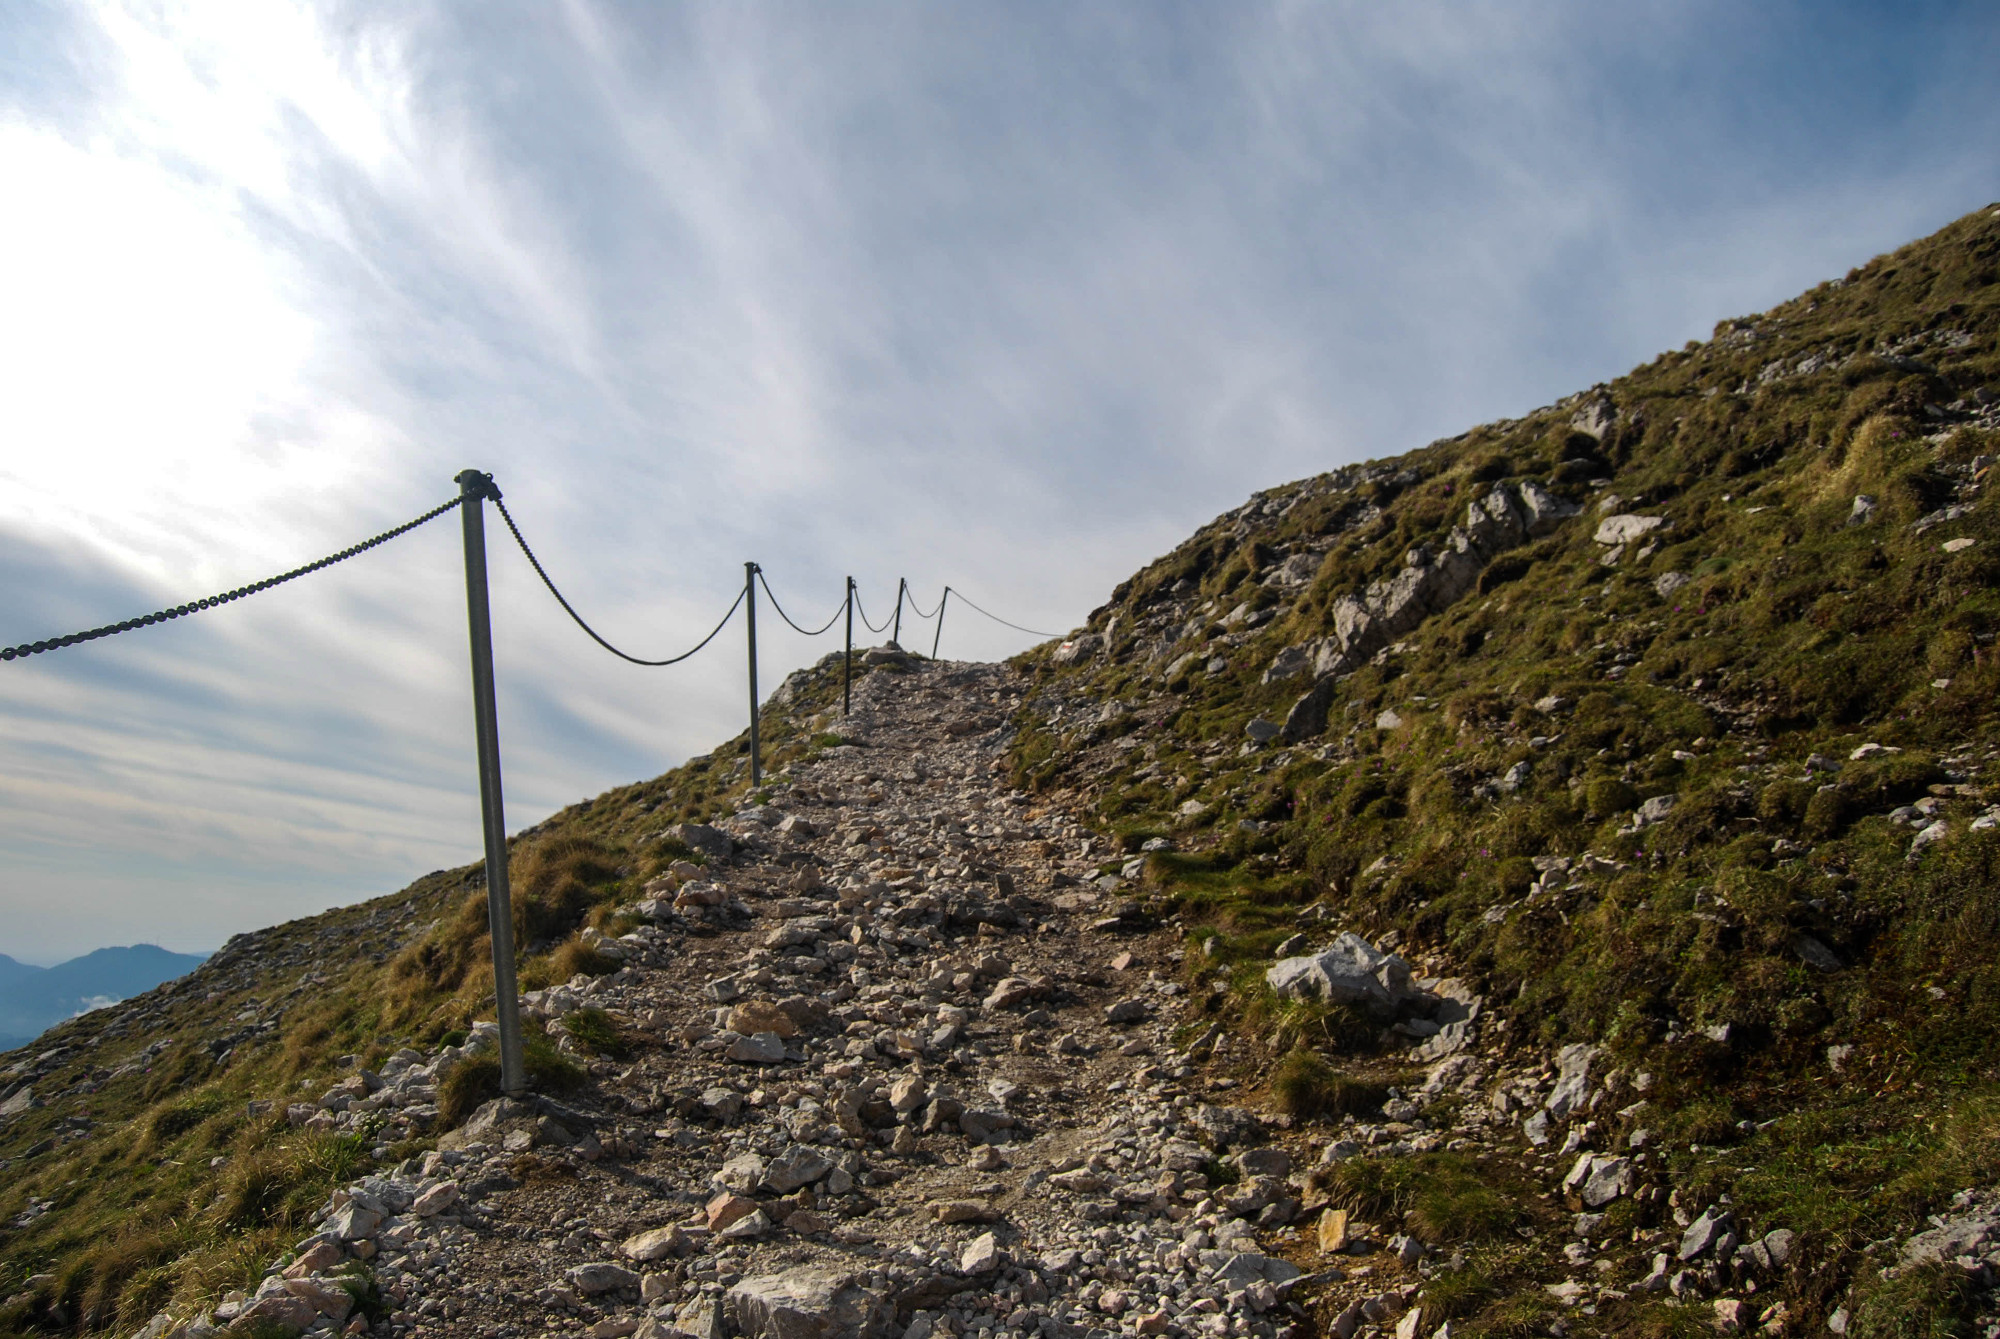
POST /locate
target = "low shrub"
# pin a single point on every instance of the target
(571, 958)
(171, 1122)
(1782, 804)
(1826, 814)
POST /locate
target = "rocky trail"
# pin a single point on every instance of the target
(904, 1063)
(901, 1065)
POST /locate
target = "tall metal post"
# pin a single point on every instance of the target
(847, 665)
(896, 633)
(943, 600)
(474, 488)
(750, 586)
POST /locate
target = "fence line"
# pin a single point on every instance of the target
(475, 490)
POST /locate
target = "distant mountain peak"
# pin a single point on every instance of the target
(35, 998)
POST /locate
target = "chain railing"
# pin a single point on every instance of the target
(475, 490)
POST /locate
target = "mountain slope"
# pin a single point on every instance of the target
(1701, 773)
(12, 972)
(1652, 730)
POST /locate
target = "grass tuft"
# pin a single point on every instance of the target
(476, 1081)
(597, 1033)
(1305, 1087)
(1441, 1197)
(1926, 1302)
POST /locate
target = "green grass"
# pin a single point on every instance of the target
(1305, 1087)
(1494, 1292)
(1928, 1302)
(1795, 635)
(597, 1033)
(1441, 1197)
(112, 1263)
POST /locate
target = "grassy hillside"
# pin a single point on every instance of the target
(1708, 787)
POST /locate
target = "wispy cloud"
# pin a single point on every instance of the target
(1008, 296)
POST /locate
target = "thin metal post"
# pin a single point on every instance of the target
(750, 585)
(847, 665)
(896, 633)
(474, 488)
(942, 601)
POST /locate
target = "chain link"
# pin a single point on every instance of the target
(838, 611)
(864, 615)
(535, 562)
(183, 610)
(917, 610)
(997, 619)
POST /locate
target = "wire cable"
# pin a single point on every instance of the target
(997, 619)
(179, 611)
(864, 614)
(788, 618)
(671, 660)
(920, 615)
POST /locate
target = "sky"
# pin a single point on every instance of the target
(1010, 296)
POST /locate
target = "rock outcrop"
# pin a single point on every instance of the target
(1507, 516)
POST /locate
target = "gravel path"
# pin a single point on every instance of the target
(903, 1063)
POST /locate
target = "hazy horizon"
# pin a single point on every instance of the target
(45, 965)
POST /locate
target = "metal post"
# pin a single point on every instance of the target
(847, 665)
(896, 633)
(474, 488)
(750, 585)
(942, 601)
